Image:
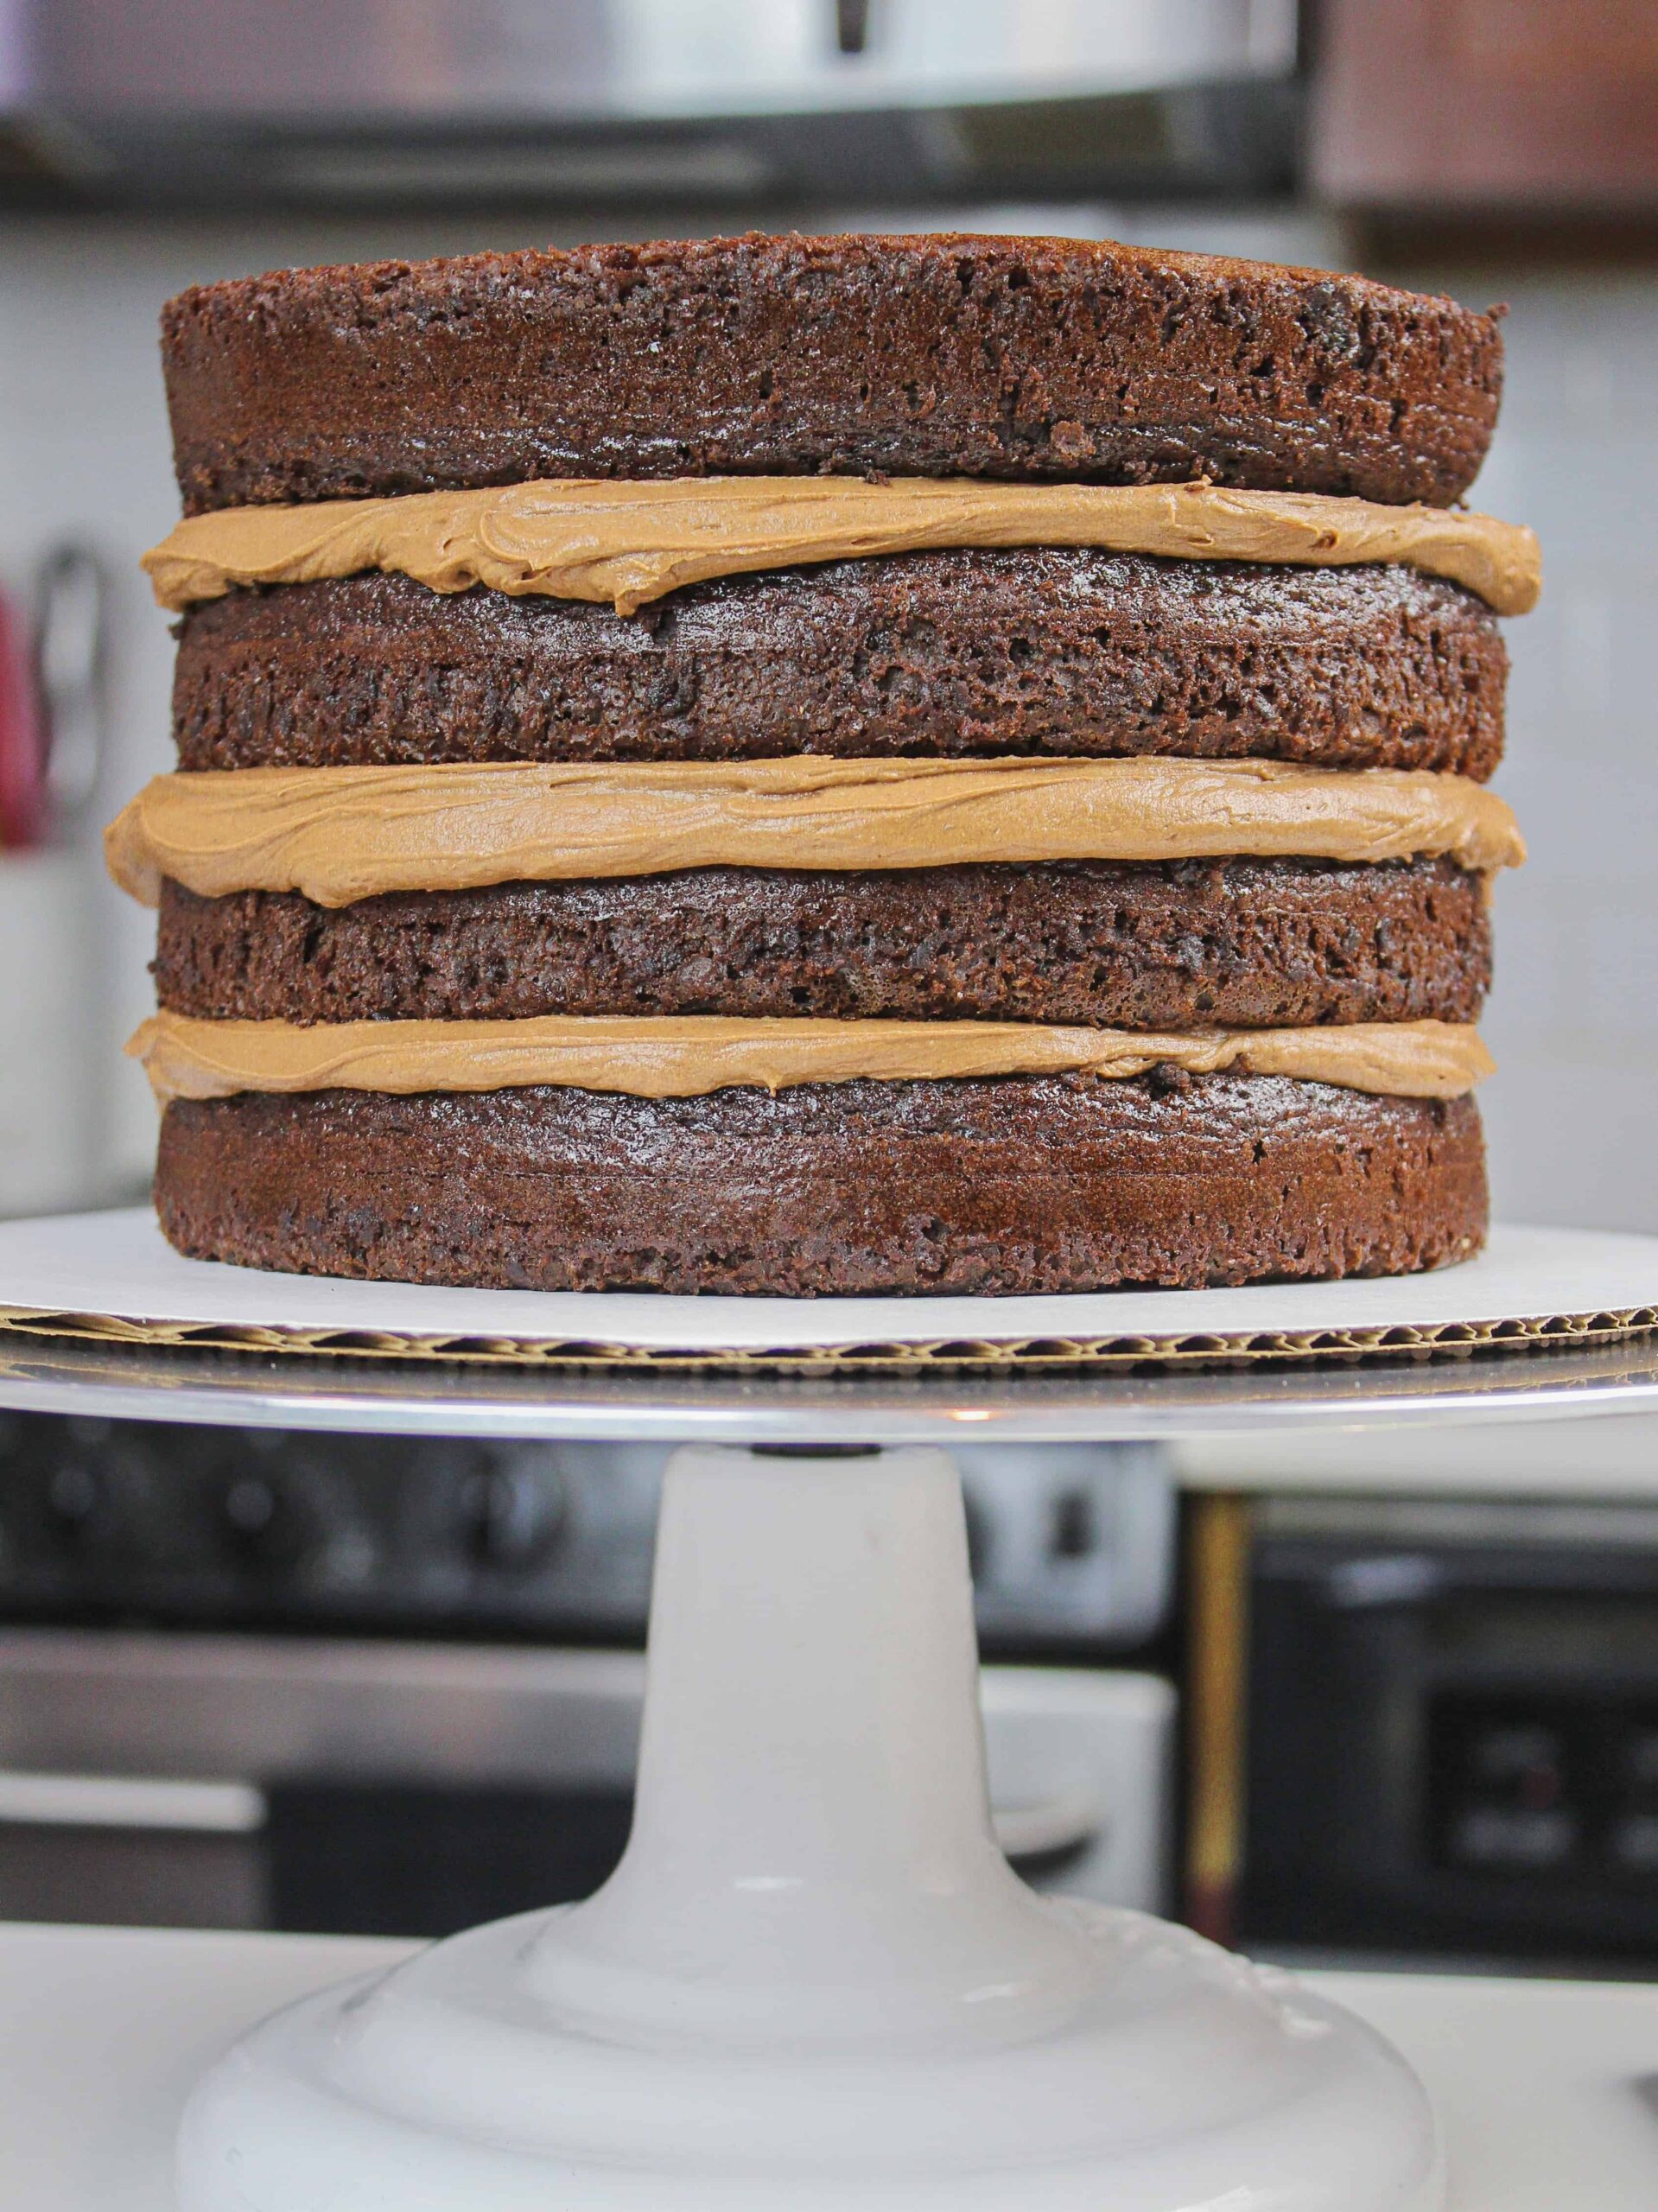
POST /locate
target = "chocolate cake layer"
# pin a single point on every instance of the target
(1037, 652)
(1148, 945)
(1001, 357)
(1005, 1186)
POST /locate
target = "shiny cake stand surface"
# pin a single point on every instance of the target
(813, 1984)
(813, 1981)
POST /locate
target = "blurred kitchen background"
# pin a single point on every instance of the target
(1497, 150)
(1367, 1700)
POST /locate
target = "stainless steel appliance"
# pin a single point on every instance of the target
(348, 103)
(251, 1679)
(1072, 1546)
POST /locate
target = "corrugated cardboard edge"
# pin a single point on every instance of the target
(1440, 1340)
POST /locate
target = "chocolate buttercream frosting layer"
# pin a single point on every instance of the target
(1014, 357)
(685, 1056)
(629, 543)
(1033, 651)
(338, 835)
(1184, 945)
(1018, 1185)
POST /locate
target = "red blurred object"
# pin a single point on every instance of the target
(22, 737)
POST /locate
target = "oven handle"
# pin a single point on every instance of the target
(31, 1799)
(1066, 1821)
(122, 1801)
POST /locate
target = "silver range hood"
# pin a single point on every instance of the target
(202, 103)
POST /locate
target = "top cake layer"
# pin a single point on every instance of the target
(1020, 358)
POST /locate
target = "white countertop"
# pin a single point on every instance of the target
(1549, 2090)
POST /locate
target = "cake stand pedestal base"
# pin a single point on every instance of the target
(813, 1981)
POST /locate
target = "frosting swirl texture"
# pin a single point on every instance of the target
(685, 1056)
(629, 542)
(339, 835)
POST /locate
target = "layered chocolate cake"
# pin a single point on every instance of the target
(827, 765)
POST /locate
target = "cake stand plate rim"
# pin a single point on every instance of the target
(111, 1274)
(91, 1319)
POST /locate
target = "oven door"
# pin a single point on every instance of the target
(413, 1789)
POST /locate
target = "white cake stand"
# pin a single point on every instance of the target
(813, 1984)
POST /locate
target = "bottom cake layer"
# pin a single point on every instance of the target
(1016, 1184)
